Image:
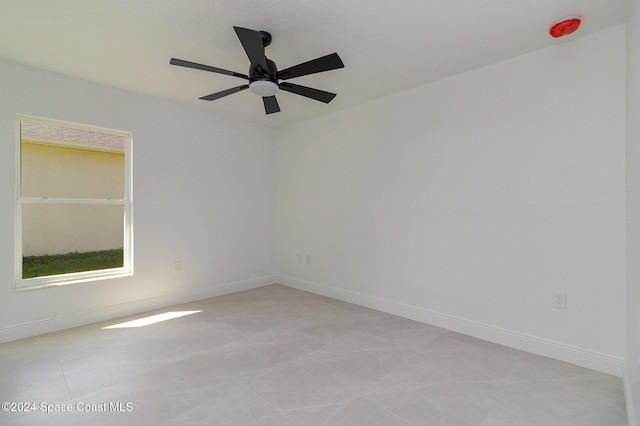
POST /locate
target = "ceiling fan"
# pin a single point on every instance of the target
(264, 77)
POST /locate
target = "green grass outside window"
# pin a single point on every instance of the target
(40, 266)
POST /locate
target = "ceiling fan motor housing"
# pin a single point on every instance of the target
(257, 73)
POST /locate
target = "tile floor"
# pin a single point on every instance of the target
(279, 356)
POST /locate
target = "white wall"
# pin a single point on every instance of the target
(204, 194)
(468, 201)
(633, 214)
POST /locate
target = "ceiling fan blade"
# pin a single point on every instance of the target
(218, 95)
(194, 65)
(324, 63)
(309, 92)
(270, 104)
(252, 42)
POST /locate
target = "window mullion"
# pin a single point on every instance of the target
(47, 200)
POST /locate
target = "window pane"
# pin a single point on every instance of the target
(64, 238)
(74, 197)
(59, 162)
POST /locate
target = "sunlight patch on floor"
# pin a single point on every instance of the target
(153, 319)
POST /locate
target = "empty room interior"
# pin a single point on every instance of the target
(431, 217)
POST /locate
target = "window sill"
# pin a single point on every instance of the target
(70, 279)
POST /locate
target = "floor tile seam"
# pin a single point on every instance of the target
(421, 356)
(62, 363)
(73, 398)
(478, 348)
(237, 344)
(401, 365)
(498, 380)
(172, 402)
(178, 412)
(15, 416)
(356, 352)
(562, 411)
(455, 382)
(496, 403)
(286, 411)
(590, 378)
(332, 308)
(171, 399)
(124, 379)
(270, 403)
(241, 341)
(360, 396)
(506, 381)
(18, 380)
(605, 404)
(431, 384)
(379, 349)
(66, 381)
(231, 344)
(244, 335)
(510, 380)
(283, 411)
(260, 374)
(292, 360)
(236, 380)
(310, 407)
(606, 413)
(475, 382)
(321, 352)
(512, 369)
(485, 417)
(334, 414)
(316, 350)
(513, 417)
(433, 335)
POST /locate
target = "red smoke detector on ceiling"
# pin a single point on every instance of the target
(565, 27)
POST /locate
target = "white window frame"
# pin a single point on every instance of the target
(75, 277)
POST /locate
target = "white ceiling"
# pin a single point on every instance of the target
(387, 45)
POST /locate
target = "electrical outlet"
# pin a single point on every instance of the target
(559, 300)
(177, 265)
(308, 259)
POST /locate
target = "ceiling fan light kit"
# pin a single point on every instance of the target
(264, 77)
(263, 87)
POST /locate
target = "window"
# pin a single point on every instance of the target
(73, 210)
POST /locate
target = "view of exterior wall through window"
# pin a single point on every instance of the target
(73, 212)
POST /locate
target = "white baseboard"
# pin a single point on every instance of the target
(77, 319)
(589, 359)
(629, 383)
(605, 363)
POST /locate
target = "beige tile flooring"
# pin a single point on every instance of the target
(279, 356)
